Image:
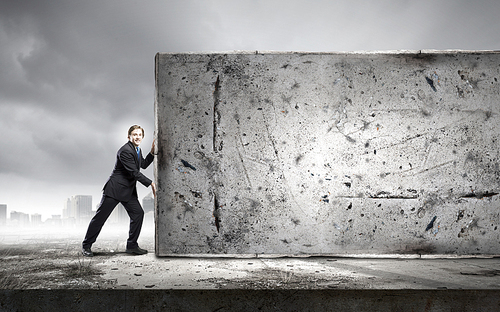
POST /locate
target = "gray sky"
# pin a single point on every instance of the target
(74, 75)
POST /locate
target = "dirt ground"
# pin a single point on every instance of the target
(50, 258)
(55, 262)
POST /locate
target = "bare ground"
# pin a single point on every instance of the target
(51, 258)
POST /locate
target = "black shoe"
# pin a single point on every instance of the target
(86, 252)
(136, 251)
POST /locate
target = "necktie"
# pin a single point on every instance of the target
(138, 157)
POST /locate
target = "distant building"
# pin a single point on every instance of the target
(78, 208)
(119, 215)
(55, 220)
(148, 203)
(19, 218)
(67, 222)
(67, 209)
(83, 208)
(36, 219)
(3, 214)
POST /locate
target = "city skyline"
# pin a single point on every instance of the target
(78, 208)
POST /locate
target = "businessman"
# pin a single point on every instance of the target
(121, 188)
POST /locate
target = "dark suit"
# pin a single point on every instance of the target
(121, 188)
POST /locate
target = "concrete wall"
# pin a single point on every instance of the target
(328, 153)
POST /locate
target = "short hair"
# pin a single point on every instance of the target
(135, 127)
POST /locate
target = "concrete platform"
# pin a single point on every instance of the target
(150, 283)
(150, 272)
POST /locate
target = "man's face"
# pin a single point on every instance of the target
(136, 137)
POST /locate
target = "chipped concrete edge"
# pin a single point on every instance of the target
(343, 256)
(361, 52)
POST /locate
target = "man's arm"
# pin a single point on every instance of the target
(149, 158)
(152, 152)
(127, 158)
(153, 188)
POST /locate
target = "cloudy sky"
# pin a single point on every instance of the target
(74, 75)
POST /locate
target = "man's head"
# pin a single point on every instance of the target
(135, 135)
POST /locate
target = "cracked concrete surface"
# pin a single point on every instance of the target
(305, 273)
(37, 260)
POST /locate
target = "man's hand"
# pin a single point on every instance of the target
(153, 187)
(153, 147)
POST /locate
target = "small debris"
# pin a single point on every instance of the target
(431, 83)
(431, 225)
(325, 199)
(187, 165)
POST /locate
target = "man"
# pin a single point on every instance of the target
(121, 188)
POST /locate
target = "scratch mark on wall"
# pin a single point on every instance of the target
(436, 166)
(257, 161)
(284, 179)
(270, 137)
(216, 113)
(243, 163)
(478, 114)
(479, 195)
(216, 213)
(414, 172)
(385, 195)
(427, 153)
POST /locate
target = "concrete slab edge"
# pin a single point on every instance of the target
(249, 300)
(423, 51)
(347, 256)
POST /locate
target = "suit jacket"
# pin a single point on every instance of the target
(121, 185)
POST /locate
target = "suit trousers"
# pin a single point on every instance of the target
(134, 210)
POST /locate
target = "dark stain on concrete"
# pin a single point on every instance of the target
(419, 249)
(197, 194)
(431, 83)
(479, 195)
(431, 224)
(298, 159)
(216, 213)
(187, 165)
